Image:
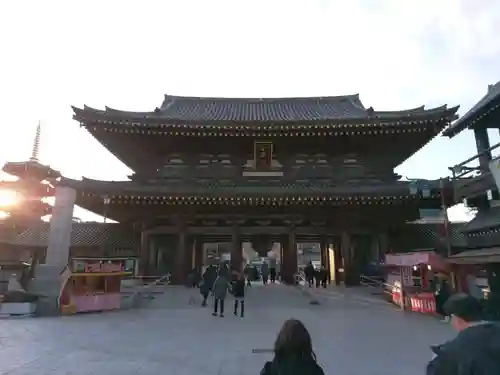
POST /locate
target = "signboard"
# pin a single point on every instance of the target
(263, 155)
(81, 266)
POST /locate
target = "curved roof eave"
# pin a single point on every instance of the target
(479, 110)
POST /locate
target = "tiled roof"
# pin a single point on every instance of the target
(111, 236)
(196, 109)
(184, 188)
(489, 102)
(484, 220)
(413, 236)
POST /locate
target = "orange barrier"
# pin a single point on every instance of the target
(423, 303)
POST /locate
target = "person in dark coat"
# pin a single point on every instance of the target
(264, 271)
(476, 348)
(293, 352)
(248, 274)
(207, 283)
(323, 276)
(220, 289)
(238, 290)
(309, 274)
(441, 295)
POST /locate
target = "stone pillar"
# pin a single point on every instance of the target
(236, 252)
(47, 280)
(483, 144)
(198, 252)
(178, 272)
(61, 223)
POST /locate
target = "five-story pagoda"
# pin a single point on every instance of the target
(282, 170)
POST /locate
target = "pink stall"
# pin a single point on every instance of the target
(91, 285)
(410, 275)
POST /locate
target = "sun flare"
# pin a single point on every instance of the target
(8, 198)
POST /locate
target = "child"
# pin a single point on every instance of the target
(239, 295)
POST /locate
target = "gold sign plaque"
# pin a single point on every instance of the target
(263, 155)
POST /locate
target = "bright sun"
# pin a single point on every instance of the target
(8, 198)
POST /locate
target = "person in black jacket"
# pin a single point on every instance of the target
(309, 274)
(207, 283)
(293, 352)
(475, 350)
(238, 290)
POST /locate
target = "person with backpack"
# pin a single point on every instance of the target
(220, 289)
(476, 348)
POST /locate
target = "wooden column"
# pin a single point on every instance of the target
(144, 254)
(345, 247)
(383, 245)
(483, 144)
(178, 272)
(290, 259)
(189, 255)
(236, 251)
(198, 252)
(324, 252)
(338, 263)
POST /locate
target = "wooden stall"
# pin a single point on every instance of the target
(410, 275)
(92, 285)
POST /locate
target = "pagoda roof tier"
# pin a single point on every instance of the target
(481, 111)
(265, 113)
(121, 197)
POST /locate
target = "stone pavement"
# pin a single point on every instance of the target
(171, 337)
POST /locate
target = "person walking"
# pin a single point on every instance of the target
(207, 283)
(239, 295)
(323, 276)
(220, 289)
(293, 352)
(475, 350)
(309, 274)
(248, 274)
(442, 294)
(272, 269)
(264, 270)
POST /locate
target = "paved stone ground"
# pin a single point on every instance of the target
(168, 336)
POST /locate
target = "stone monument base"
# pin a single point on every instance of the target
(47, 285)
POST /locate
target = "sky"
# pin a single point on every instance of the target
(128, 54)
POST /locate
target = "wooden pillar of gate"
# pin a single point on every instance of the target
(289, 261)
(179, 275)
(236, 251)
(144, 253)
(345, 246)
(198, 252)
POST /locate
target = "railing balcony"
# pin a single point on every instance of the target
(472, 177)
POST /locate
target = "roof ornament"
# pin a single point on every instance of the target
(370, 111)
(36, 144)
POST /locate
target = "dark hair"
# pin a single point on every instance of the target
(294, 341)
(465, 307)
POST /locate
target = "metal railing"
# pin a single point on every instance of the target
(146, 291)
(376, 284)
(461, 170)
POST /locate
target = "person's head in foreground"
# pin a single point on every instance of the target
(464, 310)
(294, 342)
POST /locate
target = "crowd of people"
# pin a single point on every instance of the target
(218, 281)
(319, 275)
(474, 351)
